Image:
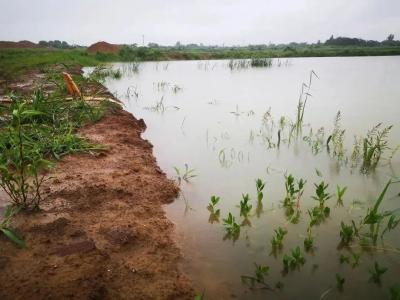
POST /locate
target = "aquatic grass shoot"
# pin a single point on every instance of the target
(260, 273)
(245, 207)
(186, 174)
(260, 187)
(346, 233)
(277, 240)
(231, 227)
(374, 144)
(294, 260)
(339, 194)
(309, 240)
(321, 194)
(214, 213)
(376, 273)
(339, 281)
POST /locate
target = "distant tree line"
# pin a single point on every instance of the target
(345, 41)
(56, 44)
(332, 41)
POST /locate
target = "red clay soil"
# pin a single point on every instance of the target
(20, 44)
(103, 47)
(102, 232)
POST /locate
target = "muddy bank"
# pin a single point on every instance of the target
(102, 232)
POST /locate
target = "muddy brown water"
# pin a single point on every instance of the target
(211, 118)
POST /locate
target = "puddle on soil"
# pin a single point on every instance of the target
(213, 118)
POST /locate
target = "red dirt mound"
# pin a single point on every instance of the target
(104, 47)
(20, 44)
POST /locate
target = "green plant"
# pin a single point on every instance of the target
(301, 105)
(376, 272)
(260, 186)
(293, 192)
(346, 233)
(232, 228)
(276, 241)
(392, 223)
(295, 259)
(186, 174)
(20, 161)
(259, 277)
(213, 202)
(339, 281)
(35, 129)
(356, 259)
(214, 214)
(374, 218)
(374, 144)
(344, 259)
(318, 215)
(245, 207)
(309, 240)
(261, 62)
(339, 193)
(337, 139)
(394, 292)
(5, 228)
(200, 297)
(279, 285)
(321, 193)
(101, 73)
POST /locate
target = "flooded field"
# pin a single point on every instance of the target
(218, 126)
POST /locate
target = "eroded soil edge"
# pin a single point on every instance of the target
(102, 232)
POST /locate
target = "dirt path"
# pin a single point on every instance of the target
(102, 233)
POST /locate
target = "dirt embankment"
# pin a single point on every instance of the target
(17, 45)
(104, 47)
(102, 232)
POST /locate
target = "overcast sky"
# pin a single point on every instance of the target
(230, 22)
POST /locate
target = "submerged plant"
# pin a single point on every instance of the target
(392, 223)
(294, 190)
(277, 240)
(339, 194)
(394, 292)
(346, 234)
(214, 214)
(232, 228)
(301, 105)
(339, 281)
(355, 259)
(245, 207)
(337, 138)
(321, 193)
(374, 218)
(309, 240)
(259, 277)
(376, 272)
(213, 202)
(260, 186)
(374, 144)
(295, 259)
(261, 62)
(344, 259)
(186, 174)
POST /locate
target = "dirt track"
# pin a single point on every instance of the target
(102, 232)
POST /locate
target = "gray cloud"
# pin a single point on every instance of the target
(199, 21)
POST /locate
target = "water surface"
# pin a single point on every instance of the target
(212, 120)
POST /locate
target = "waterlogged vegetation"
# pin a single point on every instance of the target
(307, 200)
